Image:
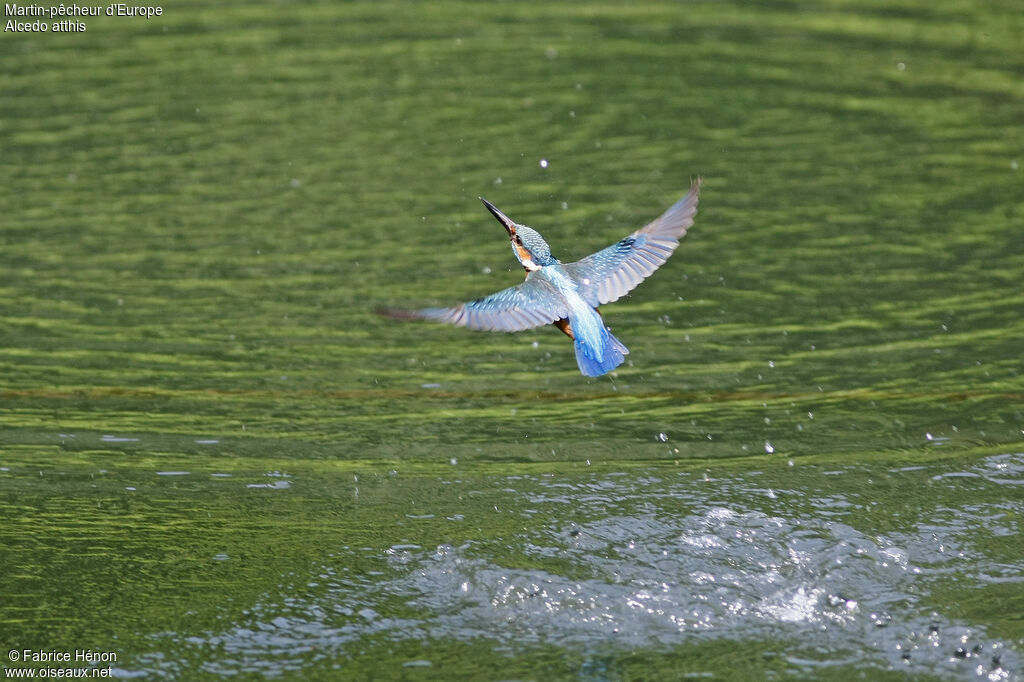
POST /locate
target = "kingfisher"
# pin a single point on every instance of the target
(567, 295)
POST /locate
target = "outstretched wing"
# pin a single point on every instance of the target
(613, 272)
(533, 303)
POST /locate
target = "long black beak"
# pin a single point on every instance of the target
(502, 218)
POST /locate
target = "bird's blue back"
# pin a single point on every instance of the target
(597, 350)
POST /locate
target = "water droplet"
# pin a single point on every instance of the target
(880, 620)
(768, 447)
(543, 163)
(900, 66)
(663, 437)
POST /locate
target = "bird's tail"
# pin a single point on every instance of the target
(593, 366)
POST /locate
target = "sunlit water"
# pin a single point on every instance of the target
(215, 459)
(673, 563)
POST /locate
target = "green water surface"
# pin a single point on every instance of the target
(205, 430)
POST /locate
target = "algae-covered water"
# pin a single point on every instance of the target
(216, 460)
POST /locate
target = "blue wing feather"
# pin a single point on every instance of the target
(613, 272)
(533, 303)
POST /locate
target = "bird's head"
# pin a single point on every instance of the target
(529, 247)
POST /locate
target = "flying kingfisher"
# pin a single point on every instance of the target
(568, 294)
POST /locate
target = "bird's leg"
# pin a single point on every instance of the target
(563, 324)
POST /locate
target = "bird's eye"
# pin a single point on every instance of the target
(519, 240)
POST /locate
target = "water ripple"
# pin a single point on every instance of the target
(653, 563)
